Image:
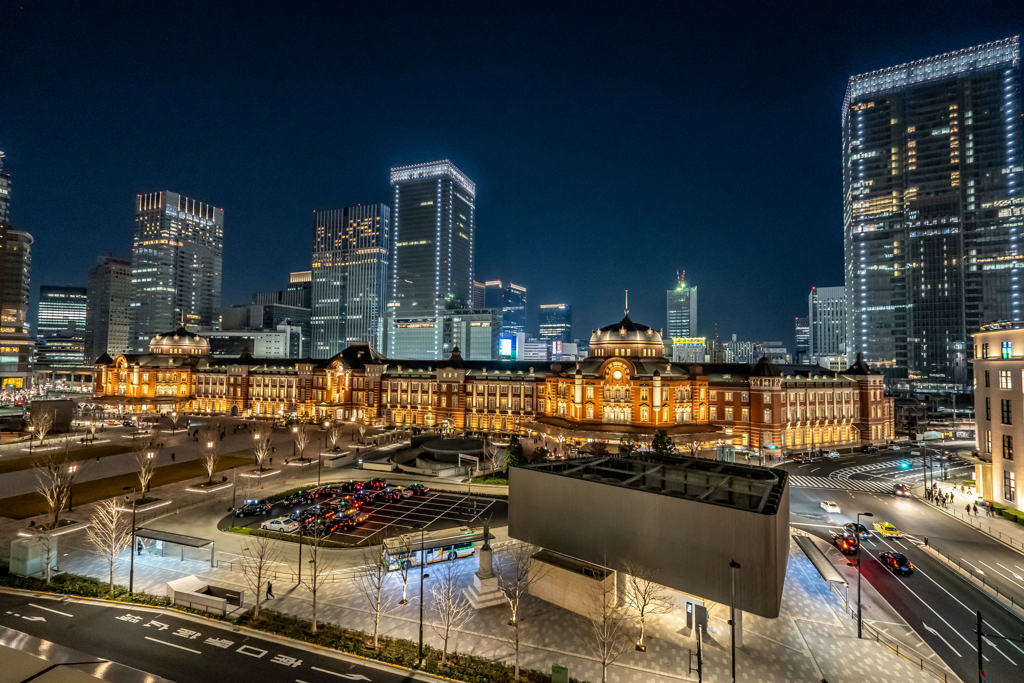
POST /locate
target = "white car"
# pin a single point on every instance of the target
(284, 524)
(834, 455)
(829, 506)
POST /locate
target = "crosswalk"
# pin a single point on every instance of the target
(844, 473)
(839, 484)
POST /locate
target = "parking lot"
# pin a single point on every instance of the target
(438, 509)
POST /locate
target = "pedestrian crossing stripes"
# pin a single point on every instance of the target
(915, 463)
(839, 484)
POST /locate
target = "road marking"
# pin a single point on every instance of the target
(63, 614)
(972, 566)
(351, 677)
(815, 469)
(939, 636)
(1015, 574)
(180, 647)
(1001, 574)
(34, 618)
(999, 651)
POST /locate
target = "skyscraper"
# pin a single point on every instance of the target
(682, 310)
(556, 322)
(826, 320)
(932, 169)
(510, 299)
(176, 266)
(61, 312)
(15, 284)
(5, 193)
(433, 209)
(107, 315)
(802, 337)
(479, 294)
(350, 276)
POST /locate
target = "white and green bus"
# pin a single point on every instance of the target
(433, 546)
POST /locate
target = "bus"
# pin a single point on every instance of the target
(407, 550)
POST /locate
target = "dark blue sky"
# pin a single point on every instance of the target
(610, 144)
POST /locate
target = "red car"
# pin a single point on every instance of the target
(418, 489)
(376, 484)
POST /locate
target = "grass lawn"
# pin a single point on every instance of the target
(491, 479)
(32, 504)
(75, 454)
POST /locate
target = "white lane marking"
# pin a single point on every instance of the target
(63, 614)
(972, 566)
(999, 651)
(815, 469)
(939, 636)
(351, 677)
(34, 618)
(1001, 574)
(180, 647)
(1015, 574)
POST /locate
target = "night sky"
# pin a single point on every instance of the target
(611, 144)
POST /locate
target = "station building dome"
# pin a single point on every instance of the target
(180, 342)
(627, 338)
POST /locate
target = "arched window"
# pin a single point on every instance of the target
(643, 415)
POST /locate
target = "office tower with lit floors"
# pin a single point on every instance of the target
(932, 171)
(108, 320)
(60, 326)
(555, 323)
(351, 251)
(176, 266)
(682, 309)
(510, 299)
(433, 209)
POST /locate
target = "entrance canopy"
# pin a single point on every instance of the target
(177, 539)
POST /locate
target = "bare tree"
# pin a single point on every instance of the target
(692, 444)
(495, 456)
(643, 595)
(405, 567)
(605, 630)
(263, 433)
(302, 437)
(53, 482)
(209, 442)
(319, 566)
(179, 409)
(257, 557)
(40, 422)
(513, 573)
(362, 431)
(450, 607)
(110, 534)
(92, 425)
(373, 582)
(145, 465)
(335, 430)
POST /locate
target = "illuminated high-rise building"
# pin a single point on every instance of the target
(826, 321)
(350, 276)
(682, 310)
(176, 266)
(510, 299)
(5, 193)
(61, 312)
(433, 215)
(108, 319)
(802, 334)
(15, 284)
(555, 322)
(933, 211)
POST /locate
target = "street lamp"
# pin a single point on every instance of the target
(31, 430)
(71, 487)
(174, 419)
(860, 632)
(734, 565)
(131, 571)
(256, 436)
(423, 561)
(295, 430)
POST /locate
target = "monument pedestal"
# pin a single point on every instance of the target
(484, 592)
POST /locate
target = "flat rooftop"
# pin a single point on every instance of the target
(742, 487)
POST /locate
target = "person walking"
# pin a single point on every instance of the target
(968, 506)
(270, 590)
(975, 510)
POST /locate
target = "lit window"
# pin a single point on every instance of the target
(1007, 350)
(1004, 379)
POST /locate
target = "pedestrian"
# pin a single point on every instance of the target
(172, 457)
(270, 590)
(975, 510)
(968, 506)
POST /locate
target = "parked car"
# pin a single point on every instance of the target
(871, 449)
(360, 499)
(831, 506)
(284, 524)
(252, 507)
(356, 516)
(388, 495)
(896, 562)
(418, 489)
(351, 487)
(376, 483)
(832, 455)
(403, 492)
(299, 498)
(847, 543)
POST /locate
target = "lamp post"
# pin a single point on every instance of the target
(256, 436)
(71, 487)
(860, 633)
(131, 570)
(295, 430)
(174, 419)
(423, 561)
(31, 436)
(734, 565)
(319, 459)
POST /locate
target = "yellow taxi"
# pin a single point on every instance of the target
(887, 530)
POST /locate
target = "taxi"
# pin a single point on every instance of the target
(887, 530)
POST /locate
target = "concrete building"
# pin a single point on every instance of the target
(433, 209)
(108, 308)
(259, 344)
(826, 321)
(176, 265)
(62, 312)
(773, 351)
(689, 350)
(299, 292)
(556, 322)
(682, 309)
(479, 295)
(932, 173)
(740, 351)
(998, 360)
(351, 253)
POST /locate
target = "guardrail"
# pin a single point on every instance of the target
(908, 654)
(976, 523)
(973, 573)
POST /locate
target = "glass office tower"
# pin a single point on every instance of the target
(682, 310)
(433, 209)
(556, 322)
(510, 298)
(932, 169)
(176, 266)
(350, 276)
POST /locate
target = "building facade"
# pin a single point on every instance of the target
(625, 385)
(802, 337)
(932, 169)
(555, 322)
(479, 295)
(682, 310)
(826, 321)
(108, 308)
(433, 209)
(351, 253)
(998, 360)
(510, 299)
(62, 312)
(5, 193)
(176, 265)
(16, 344)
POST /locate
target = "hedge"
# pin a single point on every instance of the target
(461, 667)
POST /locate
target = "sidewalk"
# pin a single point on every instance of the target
(999, 528)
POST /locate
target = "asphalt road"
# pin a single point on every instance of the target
(177, 649)
(938, 604)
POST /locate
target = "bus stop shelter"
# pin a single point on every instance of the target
(827, 570)
(160, 540)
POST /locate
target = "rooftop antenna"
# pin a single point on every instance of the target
(627, 302)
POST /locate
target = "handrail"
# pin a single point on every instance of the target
(978, 577)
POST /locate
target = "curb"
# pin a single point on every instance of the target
(968, 524)
(988, 592)
(225, 625)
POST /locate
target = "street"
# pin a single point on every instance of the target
(174, 648)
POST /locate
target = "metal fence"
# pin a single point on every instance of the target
(974, 574)
(908, 654)
(985, 529)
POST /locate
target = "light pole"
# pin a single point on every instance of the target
(319, 459)
(31, 436)
(295, 431)
(131, 556)
(256, 436)
(734, 565)
(71, 487)
(174, 420)
(860, 632)
(423, 561)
